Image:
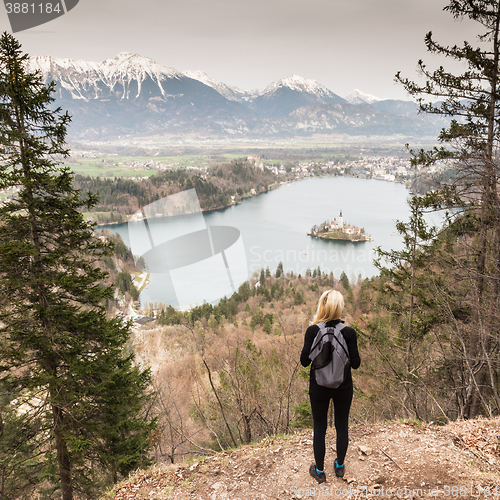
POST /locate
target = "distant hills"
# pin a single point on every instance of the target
(131, 94)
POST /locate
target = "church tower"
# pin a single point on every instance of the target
(341, 220)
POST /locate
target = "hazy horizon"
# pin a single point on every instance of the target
(342, 44)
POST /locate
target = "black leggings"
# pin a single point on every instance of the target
(341, 405)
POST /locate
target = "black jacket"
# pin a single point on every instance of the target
(350, 337)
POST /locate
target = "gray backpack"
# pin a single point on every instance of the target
(329, 356)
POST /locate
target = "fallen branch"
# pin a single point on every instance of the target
(390, 458)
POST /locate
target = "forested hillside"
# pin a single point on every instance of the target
(229, 374)
(119, 198)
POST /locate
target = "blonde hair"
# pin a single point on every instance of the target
(330, 306)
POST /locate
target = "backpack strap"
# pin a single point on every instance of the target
(325, 330)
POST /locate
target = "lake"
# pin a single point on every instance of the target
(273, 228)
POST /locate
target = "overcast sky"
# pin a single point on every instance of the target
(343, 44)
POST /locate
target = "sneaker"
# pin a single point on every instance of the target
(321, 477)
(339, 469)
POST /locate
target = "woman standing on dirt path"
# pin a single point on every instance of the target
(330, 308)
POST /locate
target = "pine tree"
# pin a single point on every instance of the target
(406, 293)
(267, 327)
(404, 274)
(61, 357)
(345, 281)
(470, 145)
(279, 270)
(262, 278)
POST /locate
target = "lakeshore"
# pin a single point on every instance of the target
(341, 237)
(228, 184)
(270, 238)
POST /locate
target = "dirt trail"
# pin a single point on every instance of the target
(395, 460)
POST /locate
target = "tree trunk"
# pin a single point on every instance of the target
(62, 454)
(248, 429)
(220, 403)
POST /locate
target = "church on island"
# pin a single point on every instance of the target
(339, 231)
(334, 226)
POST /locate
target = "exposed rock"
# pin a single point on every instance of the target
(366, 450)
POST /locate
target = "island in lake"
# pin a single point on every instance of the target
(339, 231)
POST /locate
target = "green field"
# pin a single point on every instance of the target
(116, 160)
(105, 165)
(104, 217)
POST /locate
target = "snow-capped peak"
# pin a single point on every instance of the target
(296, 82)
(135, 64)
(229, 92)
(53, 66)
(123, 63)
(85, 79)
(202, 77)
(358, 97)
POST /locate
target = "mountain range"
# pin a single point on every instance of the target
(131, 94)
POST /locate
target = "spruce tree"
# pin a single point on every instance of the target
(406, 293)
(279, 270)
(470, 144)
(62, 360)
(345, 281)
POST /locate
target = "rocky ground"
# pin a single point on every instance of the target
(393, 460)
